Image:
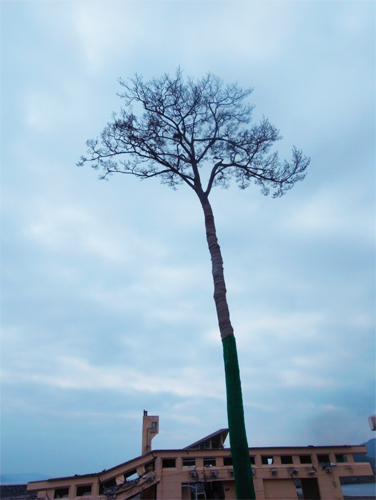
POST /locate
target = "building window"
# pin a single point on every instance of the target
(227, 460)
(267, 460)
(110, 483)
(341, 458)
(209, 462)
(61, 493)
(305, 459)
(106, 484)
(189, 462)
(286, 459)
(205, 445)
(168, 463)
(216, 443)
(154, 425)
(150, 466)
(323, 459)
(83, 491)
(253, 461)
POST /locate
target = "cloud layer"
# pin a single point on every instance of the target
(107, 302)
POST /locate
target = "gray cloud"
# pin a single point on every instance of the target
(107, 302)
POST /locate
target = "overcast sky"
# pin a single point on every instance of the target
(107, 304)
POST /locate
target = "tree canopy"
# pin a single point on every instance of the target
(186, 125)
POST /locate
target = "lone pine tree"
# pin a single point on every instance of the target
(185, 126)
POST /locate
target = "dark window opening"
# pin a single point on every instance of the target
(209, 462)
(286, 459)
(214, 491)
(253, 461)
(310, 488)
(61, 493)
(323, 459)
(267, 460)
(204, 491)
(83, 490)
(126, 475)
(305, 459)
(341, 458)
(168, 463)
(227, 460)
(154, 425)
(106, 484)
(216, 443)
(109, 483)
(189, 462)
(205, 445)
(149, 493)
(150, 466)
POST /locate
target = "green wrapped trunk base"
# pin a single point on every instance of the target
(235, 414)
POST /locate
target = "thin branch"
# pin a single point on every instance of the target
(190, 125)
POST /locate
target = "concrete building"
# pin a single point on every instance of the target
(203, 470)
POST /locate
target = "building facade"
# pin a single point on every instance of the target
(203, 470)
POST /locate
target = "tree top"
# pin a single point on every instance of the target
(184, 125)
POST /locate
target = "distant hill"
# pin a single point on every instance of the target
(371, 454)
(22, 478)
(371, 447)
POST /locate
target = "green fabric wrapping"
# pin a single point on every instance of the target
(235, 414)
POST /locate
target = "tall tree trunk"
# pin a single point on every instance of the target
(235, 412)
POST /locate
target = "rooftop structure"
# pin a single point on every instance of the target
(203, 470)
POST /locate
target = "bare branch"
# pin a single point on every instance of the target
(191, 124)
